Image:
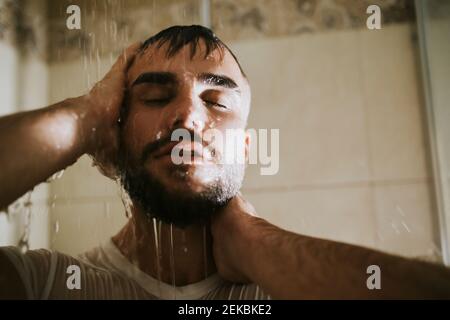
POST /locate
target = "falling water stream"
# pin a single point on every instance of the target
(172, 261)
(157, 252)
(24, 241)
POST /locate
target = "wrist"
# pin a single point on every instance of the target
(250, 244)
(87, 124)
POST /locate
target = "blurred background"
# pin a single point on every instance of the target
(363, 114)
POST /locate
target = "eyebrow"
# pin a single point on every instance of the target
(217, 80)
(164, 78)
(161, 78)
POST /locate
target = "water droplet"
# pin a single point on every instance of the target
(399, 210)
(406, 226)
(56, 226)
(394, 226)
(56, 176)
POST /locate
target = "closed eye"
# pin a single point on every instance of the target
(156, 102)
(215, 104)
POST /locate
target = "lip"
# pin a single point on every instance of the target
(194, 147)
(165, 150)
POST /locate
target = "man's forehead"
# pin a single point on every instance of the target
(183, 63)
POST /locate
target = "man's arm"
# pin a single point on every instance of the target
(34, 145)
(291, 266)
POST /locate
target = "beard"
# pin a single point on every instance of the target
(181, 208)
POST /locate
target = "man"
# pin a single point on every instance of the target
(191, 234)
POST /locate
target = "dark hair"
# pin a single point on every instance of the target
(179, 36)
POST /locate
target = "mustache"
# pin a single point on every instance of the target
(163, 141)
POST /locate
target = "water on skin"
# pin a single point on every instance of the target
(53, 203)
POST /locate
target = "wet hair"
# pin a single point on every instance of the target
(178, 36)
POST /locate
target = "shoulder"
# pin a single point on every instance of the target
(30, 274)
(22, 274)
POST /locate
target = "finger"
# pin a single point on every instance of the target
(127, 57)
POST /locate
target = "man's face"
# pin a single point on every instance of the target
(182, 92)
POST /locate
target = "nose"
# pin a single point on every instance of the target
(190, 114)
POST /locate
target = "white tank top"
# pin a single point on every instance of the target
(107, 274)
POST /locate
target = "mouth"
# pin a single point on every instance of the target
(165, 150)
(188, 152)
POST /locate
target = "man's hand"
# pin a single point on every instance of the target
(41, 142)
(231, 230)
(100, 112)
(292, 266)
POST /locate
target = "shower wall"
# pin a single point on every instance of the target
(347, 101)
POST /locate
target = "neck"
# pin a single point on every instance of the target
(172, 255)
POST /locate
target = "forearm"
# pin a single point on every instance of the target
(36, 144)
(291, 266)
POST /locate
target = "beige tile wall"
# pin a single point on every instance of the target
(353, 154)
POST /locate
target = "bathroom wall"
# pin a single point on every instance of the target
(353, 156)
(347, 100)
